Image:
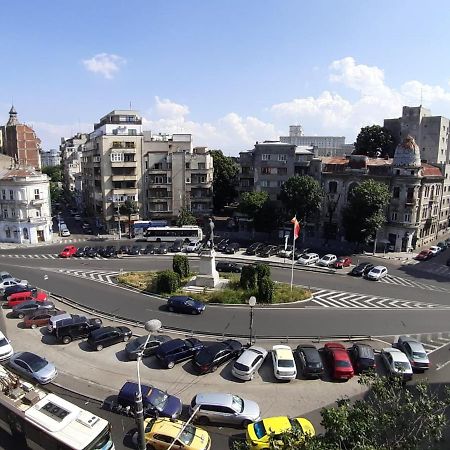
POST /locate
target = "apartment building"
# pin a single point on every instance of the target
(176, 175)
(111, 167)
(50, 158)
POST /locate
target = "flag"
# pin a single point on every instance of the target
(296, 227)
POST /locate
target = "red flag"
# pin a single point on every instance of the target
(296, 227)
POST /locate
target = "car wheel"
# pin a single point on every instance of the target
(246, 423)
(170, 365)
(126, 338)
(99, 348)
(21, 316)
(66, 339)
(171, 309)
(33, 326)
(202, 420)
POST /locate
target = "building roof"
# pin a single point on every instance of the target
(431, 171)
(8, 174)
(304, 150)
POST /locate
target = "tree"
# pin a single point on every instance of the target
(128, 208)
(374, 141)
(258, 207)
(226, 172)
(365, 210)
(251, 203)
(180, 265)
(301, 196)
(186, 218)
(55, 173)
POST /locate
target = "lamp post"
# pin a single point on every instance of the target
(151, 326)
(251, 303)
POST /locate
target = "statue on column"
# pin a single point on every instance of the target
(208, 239)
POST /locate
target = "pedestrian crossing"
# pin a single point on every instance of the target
(102, 276)
(389, 279)
(337, 299)
(431, 341)
(46, 256)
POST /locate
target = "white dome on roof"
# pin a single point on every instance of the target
(407, 154)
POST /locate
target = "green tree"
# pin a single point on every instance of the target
(248, 277)
(180, 265)
(266, 289)
(56, 192)
(301, 197)
(374, 141)
(258, 207)
(186, 218)
(226, 172)
(251, 203)
(55, 173)
(365, 210)
(129, 208)
(167, 281)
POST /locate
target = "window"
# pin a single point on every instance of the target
(11, 195)
(202, 166)
(116, 157)
(266, 170)
(5, 213)
(38, 213)
(265, 157)
(8, 233)
(13, 212)
(407, 217)
(282, 171)
(264, 183)
(394, 216)
(332, 187)
(188, 165)
(282, 157)
(3, 194)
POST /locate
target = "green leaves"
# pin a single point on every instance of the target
(226, 171)
(374, 141)
(186, 218)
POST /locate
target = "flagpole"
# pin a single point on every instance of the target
(293, 254)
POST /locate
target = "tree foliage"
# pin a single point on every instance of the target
(248, 277)
(262, 270)
(226, 172)
(266, 289)
(167, 281)
(180, 265)
(55, 173)
(258, 207)
(301, 196)
(365, 210)
(129, 207)
(374, 141)
(251, 203)
(186, 218)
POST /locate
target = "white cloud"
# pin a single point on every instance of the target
(168, 109)
(415, 91)
(105, 64)
(50, 134)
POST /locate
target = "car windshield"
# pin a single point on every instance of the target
(158, 399)
(376, 270)
(190, 302)
(241, 367)
(285, 363)
(3, 342)
(204, 357)
(237, 404)
(343, 364)
(420, 355)
(187, 435)
(36, 363)
(260, 429)
(401, 366)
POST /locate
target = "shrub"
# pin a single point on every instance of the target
(262, 270)
(167, 281)
(180, 265)
(248, 277)
(266, 288)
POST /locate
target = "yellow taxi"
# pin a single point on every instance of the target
(160, 433)
(258, 433)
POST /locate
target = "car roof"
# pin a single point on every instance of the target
(379, 268)
(283, 351)
(249, 355)
(100, 331)
(214, 398)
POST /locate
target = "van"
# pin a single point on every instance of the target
(79, 327)
(53, 322)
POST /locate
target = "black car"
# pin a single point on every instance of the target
(161, 249)
(18, 288)
(28, 307)
(222, 245)
(136, 346)
(123, 250)
(76, 327)
(268, 250)
(362, 357)
(448, 262)
(185, 304)
(93, 252)
(149, 249)
(176, 246)
(299, 252)
(232, 248)
(106, 336)
(81, 252)
(211, 357)
(109, 252)
(362, 269)
(135, 250)
(177, 350)
(225, 266)
(310, 361)
(254, 248)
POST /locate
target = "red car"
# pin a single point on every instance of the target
(68, 251)
(343, 261)
(338, 361)
(40, 318)
(20, 297)
(424, 255)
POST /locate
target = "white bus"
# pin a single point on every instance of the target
(187, 233)
(140, 226)
(39, 420)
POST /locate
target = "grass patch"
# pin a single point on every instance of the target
(138, 280)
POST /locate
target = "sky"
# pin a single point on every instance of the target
(230, 72)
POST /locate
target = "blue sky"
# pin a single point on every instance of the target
(230, 72)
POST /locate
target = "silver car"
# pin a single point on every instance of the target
(414, 351)
(249, 363)
(33, 366)
(224, 408)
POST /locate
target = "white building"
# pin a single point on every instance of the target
(50, 158)
(25, 207)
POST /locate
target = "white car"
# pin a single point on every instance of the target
(396, 362)
(7, 282)
(283, 363)
(193, 247)
(434, 249)
(6, 349)
(65, 232)
(248, 363)
(308, 259)
(77, 217)
(376, 273)
(327, 260)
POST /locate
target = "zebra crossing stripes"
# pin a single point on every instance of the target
(390, 279)
(337, 299)
(94, 275)
(48, 256)
(431, 341)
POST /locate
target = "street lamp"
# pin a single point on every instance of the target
(251, 303)
(151, 326)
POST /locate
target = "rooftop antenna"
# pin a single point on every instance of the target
(130, 105)
(421, 96)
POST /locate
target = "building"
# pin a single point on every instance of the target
(176, 176)
(323, 145)
(111, 167)
(20, 142)
(50, 158)
(25, 206)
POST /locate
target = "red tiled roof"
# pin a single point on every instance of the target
(17, 173)
(431, 171)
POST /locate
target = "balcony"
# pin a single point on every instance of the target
(124, 164)
(37, 201)
(125, 191)
(129, 146)
(410, 202)
(124, 177)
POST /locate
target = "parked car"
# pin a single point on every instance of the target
(249, 362)
(415, 352)
(434, 249)
(68, 251)
(6, 349)
(39, 318)
(106, 336)
(76, 327)
(185, 304)
(55, 320)
(362, 269)
(397, 363)
(308, 259)
(33, 366)
(134, 250)
(376, 273)
(109, 252)
(8, 282)
(343, 261)
(284, 367)
(20, 297)
(30, 306)
(193, 247)
(149, 249)
(338, 361)
(362, 357)
(123, 250)
(176, 246)
(77, 217)
(285, 252)
(161, 432)
(424, 255)
(253, 248)
(18, 288)
(232, 248)
(209, 358)
(65, 232)
(92, 252)
(267, 251)
(327, 260)
(156, 402)
(299, 253)
(82, 251)
(310, 361)
(225, 266)
(442, 245)
(231, 409)
(177, 350)
(161, 249)
(4, 275)
(136, 346)
(258, 434)
(222, 245)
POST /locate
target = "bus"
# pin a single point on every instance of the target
(39, 419)
(187, 233)
(140, 226)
